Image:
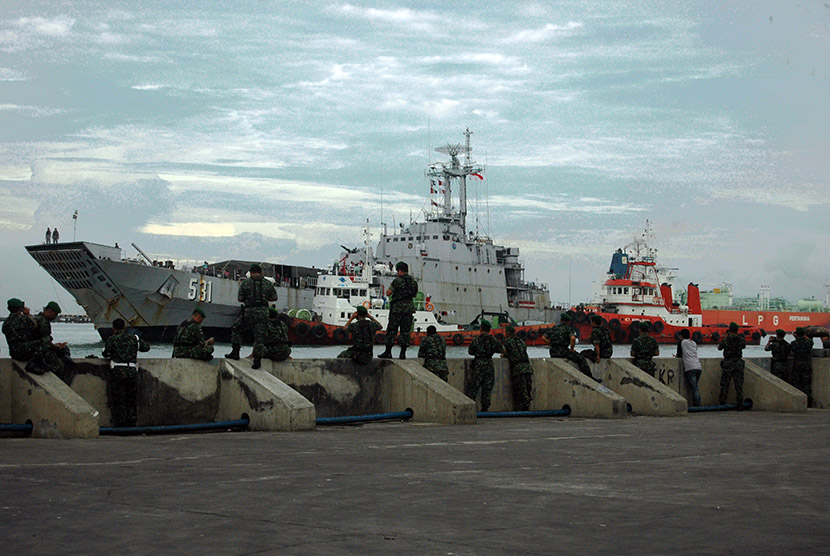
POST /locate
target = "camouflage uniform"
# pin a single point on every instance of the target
(642, 350)
(122, 386)
(363, 339)
(802, 377)
(255, 293)
(53, 356)
(434, 351)
(732, 367)
(275, 346)
(521, 373)
(780, 349)
(602, 336)
(24, 340)
(401, 310)
(189, 342)
(482, 374)
(560, 340)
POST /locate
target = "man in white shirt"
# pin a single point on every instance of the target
(687, 351)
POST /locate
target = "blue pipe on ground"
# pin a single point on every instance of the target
(364, 418)
(724, 407)
(163, 429)
(25, 427)
(540, 413)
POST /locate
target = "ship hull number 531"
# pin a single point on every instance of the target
(201, 289)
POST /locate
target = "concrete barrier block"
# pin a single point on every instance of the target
(431, 399)
(821, 382)
(557, 382)
(177, 391)
(645, 394)
(6, 393)
(770, 393)
(269, 403)
(53, 408)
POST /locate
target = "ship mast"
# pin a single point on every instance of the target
(444, 174)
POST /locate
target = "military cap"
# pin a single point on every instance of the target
(200, 311)
(799, 331)
(780, 332)
(402, 266)
(733, 326)
(645, 325)
(431, 330)
(15, 303)
(255, 268)
(565, 317)
(361, 310)
(273, 313)
(54, 306)
(119, 324)
(485, 325)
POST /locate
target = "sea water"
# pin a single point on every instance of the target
(83, 341)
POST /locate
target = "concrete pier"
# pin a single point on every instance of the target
(645, 394)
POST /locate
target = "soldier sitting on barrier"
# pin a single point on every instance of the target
(600, 339)
(433, 349)
(189, 342)
(802, 377)
(521, 373)
(732, 366)
(562, 340)
(643, 348)
(59, 351)
(482, 373)
(780, 349)
(363, 336)
(275, 346)
(24, 340)
(122, 386)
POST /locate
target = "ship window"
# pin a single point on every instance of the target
(355, 292)
(362, 292)
(434, 237)
(342, 315)
(626, 291)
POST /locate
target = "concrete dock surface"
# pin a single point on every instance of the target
(714, 483)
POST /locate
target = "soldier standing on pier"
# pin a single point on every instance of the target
(482, 374)
(433, 349)
(401, 293)
(122, 387)
(643, 348)
(732, 366)
(254, 293)
(189, 342)
(802, 377)
(780, 349)
(521, 373)
(562, 340)
(363, 336)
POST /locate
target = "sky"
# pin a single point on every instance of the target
(273, 130)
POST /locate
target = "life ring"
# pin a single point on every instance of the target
(532, 334)
(340, 335)
(715, 336)
(457, 339)
(658, 326)
(697, 336)
(380, 338)
(367, 304)
(301, 329)
(429, 306)
(318, 331)
(614, 324)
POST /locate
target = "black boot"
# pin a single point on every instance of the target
(36, 368)
(403, 353)
(234, 354)
(386, 354)
(740, 404)
(257, 363)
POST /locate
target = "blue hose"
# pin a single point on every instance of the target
(540, 413)
(364, 418)
(724, 407)
(162, 429)
(26, 427)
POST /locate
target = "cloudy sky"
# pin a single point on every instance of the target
(267, 130)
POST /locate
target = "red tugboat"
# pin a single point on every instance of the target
(633, 292)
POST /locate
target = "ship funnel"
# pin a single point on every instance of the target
(665, 293)
(693, 299)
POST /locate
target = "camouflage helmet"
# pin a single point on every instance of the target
(200, 311)
(15, 303)
(361, 310)
(54, 307)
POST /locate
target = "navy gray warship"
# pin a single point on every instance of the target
(460, 272)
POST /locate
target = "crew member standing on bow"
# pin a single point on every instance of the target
(122, 387)
(401, 293)
(254, 293)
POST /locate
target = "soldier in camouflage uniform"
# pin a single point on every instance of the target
(732, 366)
(521, 373)
(275, 346)
(482, 374)
(189, 342)
(23, 337)
(562, 340)
(122, 386)
(254, 293)
(643, 348)
(59, 358)
(363, 336)
(600, 339)
(780, 349)
(802, 377)
(433, 349)
(401, 309)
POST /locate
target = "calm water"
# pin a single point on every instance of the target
(83, 340)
